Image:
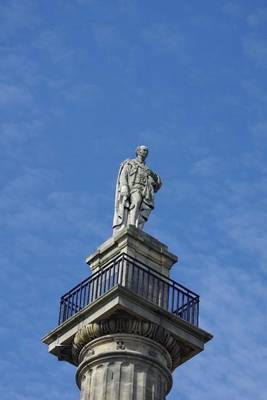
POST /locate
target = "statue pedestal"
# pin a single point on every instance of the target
(138, 326)
(137, 244)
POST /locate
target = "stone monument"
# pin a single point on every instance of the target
(128, 325)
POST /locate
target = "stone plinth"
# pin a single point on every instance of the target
(137, 244)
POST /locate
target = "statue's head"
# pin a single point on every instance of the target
(142, 151)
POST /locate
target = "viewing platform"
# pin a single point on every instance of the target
(126, 271)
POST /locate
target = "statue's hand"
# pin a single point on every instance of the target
(125, 191)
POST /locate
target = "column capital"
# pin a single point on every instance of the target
(137, 327)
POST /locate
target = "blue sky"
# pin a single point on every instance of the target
(82, 83)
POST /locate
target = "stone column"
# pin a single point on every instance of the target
(127, 340)
(123, 366)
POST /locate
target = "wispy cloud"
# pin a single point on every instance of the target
(207, 166)
(15, 66)
(11, 95)
(187, 81)
(163, 38)
(230, 273)
(54, 44)
(107, 34)
(15, 135)
(255, 47)
(234, 8)
(81, 92)
(257, 17)
(230, 307)
(17, 16)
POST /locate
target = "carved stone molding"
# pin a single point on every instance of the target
(130, 326)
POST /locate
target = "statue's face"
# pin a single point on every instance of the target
(142, 152)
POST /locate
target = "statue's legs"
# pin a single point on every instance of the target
(134, 212)
(145, 210)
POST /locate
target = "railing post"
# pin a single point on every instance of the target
(60, 311)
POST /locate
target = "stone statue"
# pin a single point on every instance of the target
(135, 190)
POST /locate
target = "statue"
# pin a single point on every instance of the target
(136, 185)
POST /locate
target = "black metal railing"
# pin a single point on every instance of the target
(128, 272)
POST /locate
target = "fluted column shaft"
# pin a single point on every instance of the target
(124, 367)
